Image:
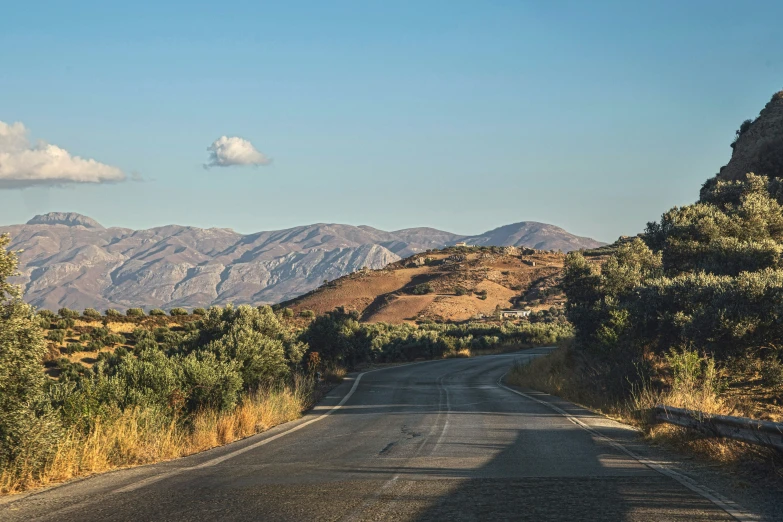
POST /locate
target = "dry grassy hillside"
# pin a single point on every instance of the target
(452, 284)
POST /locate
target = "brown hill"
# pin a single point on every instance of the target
(453, 284)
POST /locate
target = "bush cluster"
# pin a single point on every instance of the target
(339, 338)
(707, 278)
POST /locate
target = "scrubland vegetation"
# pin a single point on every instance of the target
(87, 392)
(687, 314)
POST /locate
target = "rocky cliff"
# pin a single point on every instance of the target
(759, 144)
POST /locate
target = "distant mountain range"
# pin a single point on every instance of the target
(71, 260)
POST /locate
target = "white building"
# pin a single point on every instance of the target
(514, 313)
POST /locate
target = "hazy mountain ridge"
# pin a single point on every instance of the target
(71, 260)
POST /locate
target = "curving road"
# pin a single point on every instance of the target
(439, 440)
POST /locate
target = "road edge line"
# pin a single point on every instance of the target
(729, 506)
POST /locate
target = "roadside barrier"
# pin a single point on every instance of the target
(763, 433)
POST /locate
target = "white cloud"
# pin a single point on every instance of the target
(25, 165)
(225, 152)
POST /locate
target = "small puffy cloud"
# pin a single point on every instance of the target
(25, 165)
(225, 152)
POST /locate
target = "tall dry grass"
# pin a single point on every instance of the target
(701, 390)
(146, 435)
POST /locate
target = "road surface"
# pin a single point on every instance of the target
(439, 440)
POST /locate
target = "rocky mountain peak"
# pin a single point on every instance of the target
(71, 219)
(759, 144)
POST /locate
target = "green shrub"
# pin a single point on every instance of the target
(85, 337)
(94, 346)
(421, 289)
(56, 336)
(100, 333)
(459, 290)
(91, 313)
(28, 432)
(46, 313)
(67, 313)
(71, 348)
(113, 339)
(287, 313)
(772, 372)
(157, 312)
(111, 312)
(199, 311)
(178, 312)
(64, 324)
(139, 334)
(134, 312)
(308, 314)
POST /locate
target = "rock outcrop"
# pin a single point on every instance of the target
(759, 147)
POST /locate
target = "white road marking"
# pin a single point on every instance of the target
(729, 506)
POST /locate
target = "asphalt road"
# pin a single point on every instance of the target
(430, 441)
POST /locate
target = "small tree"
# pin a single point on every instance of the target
(178, 312)
(56, 336)
(199, 311)
(27, 433)
(67, 313)
(91, 313)
(421, 289)
(111, 312)
(134, 312)
(157, 312)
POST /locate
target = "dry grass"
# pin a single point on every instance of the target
(141, 436)
(557, 375)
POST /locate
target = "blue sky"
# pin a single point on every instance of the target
(595, 116)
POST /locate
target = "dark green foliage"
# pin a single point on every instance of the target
(113, 339)
(287, 313)
(27, 432)
(64, 324)
(708, 277)
(94, 346)
(157, 312)
(56, 336)
(66, 313)
(48, 314)
(254, 338)
(308, 314)
(91, 313)
(421, 289)
(459, 290)
(140, 334)
(199, 311)
(339, 338)
(111, 312)
(178, 312)
(134, 312)
(72, 348)
(100, 333)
